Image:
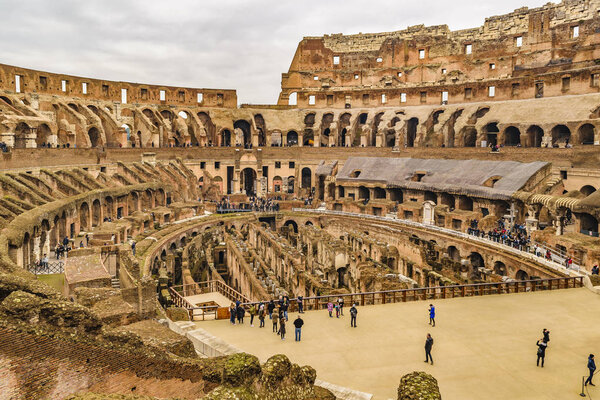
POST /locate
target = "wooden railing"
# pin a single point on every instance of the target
(180, 292)
(405, 295)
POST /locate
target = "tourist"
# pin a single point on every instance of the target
(133, 247)
(261, 316)
(252, 314)
(546, 334)
(428, 346)
(341, 304)
(300, 305)
(275, 329)
(337, 310)
(541, 353)
(232, 313)
(431, 315)
(595, 270)
(45, 261)
(284, 308)
(271, 308)
(298, 325)
(240, 314)
(353, 312)
(282, 327)
(87, 241)
(330, 309)
(592, 368)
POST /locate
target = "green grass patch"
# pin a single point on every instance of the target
(55, 280)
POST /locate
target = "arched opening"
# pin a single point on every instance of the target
(309, 138)
(21, 132)
(476, 260)
(586, 134)
(291, 180)
(84, 216)
(587, 190)
(491, 130)
(276, 139)
(292, 138)
(43, 136)
(411, 132)
(306, 178)
(245, 127)
(291, 224)
(363, 193)
(447, 199)
(225, 138)
(94, 136)
(465, 203)
(431, 196)
(379, 193)
(248, 183)
(293, 99)
(96, 213)
(469, 137)
(342, 277)
(396, 195)
(331, 191)
(561, 135)
(500, 268)
(512, 136)
(522, 275)
(589, 224)
(534, 136)
(453, 253)
(277, 184)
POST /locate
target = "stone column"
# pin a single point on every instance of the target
(30, 138)
(36, 248)
(348, 139)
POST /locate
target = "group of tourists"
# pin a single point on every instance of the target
(517, 237)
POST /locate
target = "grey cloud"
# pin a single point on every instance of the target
(233, 44)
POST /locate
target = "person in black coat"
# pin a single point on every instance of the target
(546, 334)
(592, 368)
(353, 313)
(271, 308)
(428, 346)
(240, 314)
(541, 353)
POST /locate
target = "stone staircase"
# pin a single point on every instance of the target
(115, 283)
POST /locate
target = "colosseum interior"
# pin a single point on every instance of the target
(397, 170)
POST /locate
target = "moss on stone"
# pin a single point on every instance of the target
(418, 386)
(240, 368)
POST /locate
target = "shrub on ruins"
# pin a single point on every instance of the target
(178, 314)
(418, 386)
(10, 283)
(123, 338)
(30, 308)
(240, 368)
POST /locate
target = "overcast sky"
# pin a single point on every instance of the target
(229, 44)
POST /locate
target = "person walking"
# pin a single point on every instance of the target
(232, 313)
(431, 315)
(541, 353)
(252, 314)
(133, 247)
(282, 326)
(261, 316)
(271, 308)
(592, 368)
(337, 310)
(298, 325)
(353, 313)
(428, 346)
(300, 304)
(341, 304)
(330, 309)
(275, 321)
(284, 307)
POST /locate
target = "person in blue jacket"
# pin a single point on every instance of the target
(592, 367)
(431, 315)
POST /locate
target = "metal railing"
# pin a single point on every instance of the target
(553, 264)
(51, 267)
